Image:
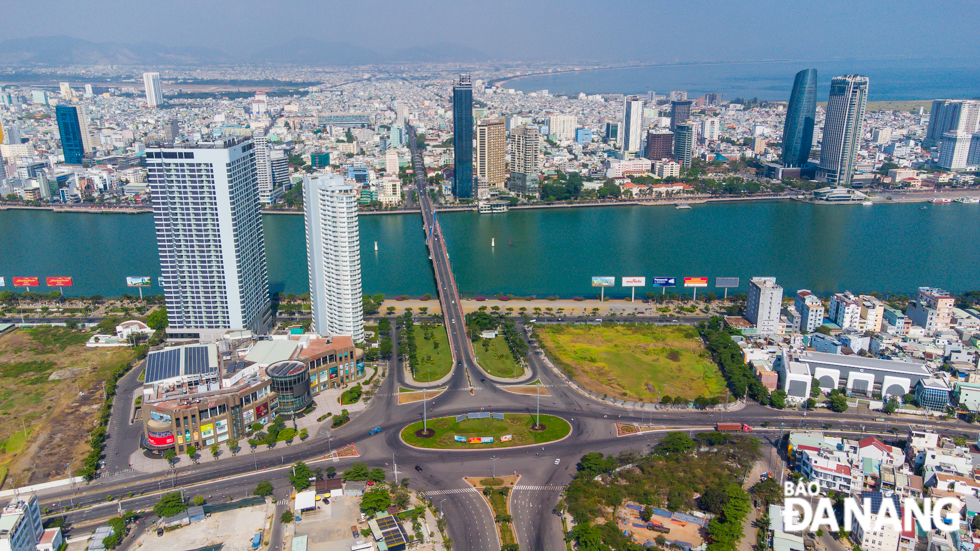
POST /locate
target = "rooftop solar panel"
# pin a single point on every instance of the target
(195, 360)
(162, 365)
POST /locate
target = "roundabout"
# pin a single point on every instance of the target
(514, 430)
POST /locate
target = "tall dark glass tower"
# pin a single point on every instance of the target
(71, 134)
(463, 138)
(802, 111)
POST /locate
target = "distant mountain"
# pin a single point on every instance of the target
(66, 50)
(439, 53)
(309, 51)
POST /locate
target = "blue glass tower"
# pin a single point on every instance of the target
(463, 138)
(800, 115)
(71, 134)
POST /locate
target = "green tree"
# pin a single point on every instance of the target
(215, 450)
(778, 399)
(263, 489)
(838, 403)
(377, 475)
(375, 500)
(675, 442)
(300, 476)
(588, 538)
(331, 472)
(892, 406)
(646, 514)
(357, 471)
(170, 456)
(233, 446)
(169, 505)
(593, 464)
(157, 320)
(814, 388)
(192, 453)
(198, 500)
(286, 517)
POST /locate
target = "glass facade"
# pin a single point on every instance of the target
(931, 397)
(463, 138)
(800, 116)
(71, 134)
(291, 381)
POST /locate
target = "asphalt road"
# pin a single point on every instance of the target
(470, 523)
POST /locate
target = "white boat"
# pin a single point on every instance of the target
(970, 200)
(938, 200)
(867, 202)
(682, 206)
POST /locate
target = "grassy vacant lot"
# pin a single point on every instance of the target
(50, 385)
(434, 357)
(634, 361)
(516, 424)
(497, 359)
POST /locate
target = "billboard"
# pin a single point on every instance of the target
(507, 438)
(665, 282)
(58, 281)
(603, 281)
(460, 438)
(726, 282)
(3, 282)
(27, 282)
(138, 281)
(695, 282)
(634, 282)
(161, 438)
(261, 410)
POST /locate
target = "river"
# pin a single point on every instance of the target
(826, 248)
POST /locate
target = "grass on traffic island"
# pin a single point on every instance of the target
(529, 390)
(519, 425)
(435, 359)
(497, 492)
(497, 359)
(411, 396)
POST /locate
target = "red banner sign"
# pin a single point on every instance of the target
(27, 282)
(58, 281)
(695, 282)
(167, 440)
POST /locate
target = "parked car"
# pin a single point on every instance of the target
(374, 431)
(417, 468)
(557, 461)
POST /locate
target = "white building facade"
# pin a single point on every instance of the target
(209, 235)
(334, 255)
(764, 304)
(154, 89)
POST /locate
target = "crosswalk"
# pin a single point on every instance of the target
(284, 501)
(115, 473)
(453, 491)
(552, 488)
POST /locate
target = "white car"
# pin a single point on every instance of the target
(557, 461)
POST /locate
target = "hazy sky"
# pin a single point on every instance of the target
(656, 30)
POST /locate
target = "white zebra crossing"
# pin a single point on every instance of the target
(453, 491)
(554, 488)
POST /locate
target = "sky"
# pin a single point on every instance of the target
(530, 30)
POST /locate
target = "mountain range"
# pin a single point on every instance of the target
(66, 50)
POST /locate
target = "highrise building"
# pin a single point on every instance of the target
(525, 156)
(680, 112)
(334, 255)
(660, 145)
(842, 129)
(463, 138)
(632, 124)
(764, 304)
(263, 167)
(973, 154)
(684, 144)
(397, 136)
(154, 89)
(562, 126)
(613, 131)
(209, 234)
(954, 150)
(952, 115)
(20, 524)
(709, 129)
(83, 125)
(280, 171)
(66, 93)
(391, 162)
(71, 134)
(811, 310)
(800, 117)
(491, 152)
(171, 129)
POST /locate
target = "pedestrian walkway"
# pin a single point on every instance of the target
(454, 491)
(554, 488)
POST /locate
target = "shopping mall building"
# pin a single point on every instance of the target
(207, 393)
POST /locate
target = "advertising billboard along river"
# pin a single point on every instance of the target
(602, 281)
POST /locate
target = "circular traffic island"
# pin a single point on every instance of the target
(514, 430)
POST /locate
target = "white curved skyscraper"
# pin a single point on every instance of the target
(334, 255)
